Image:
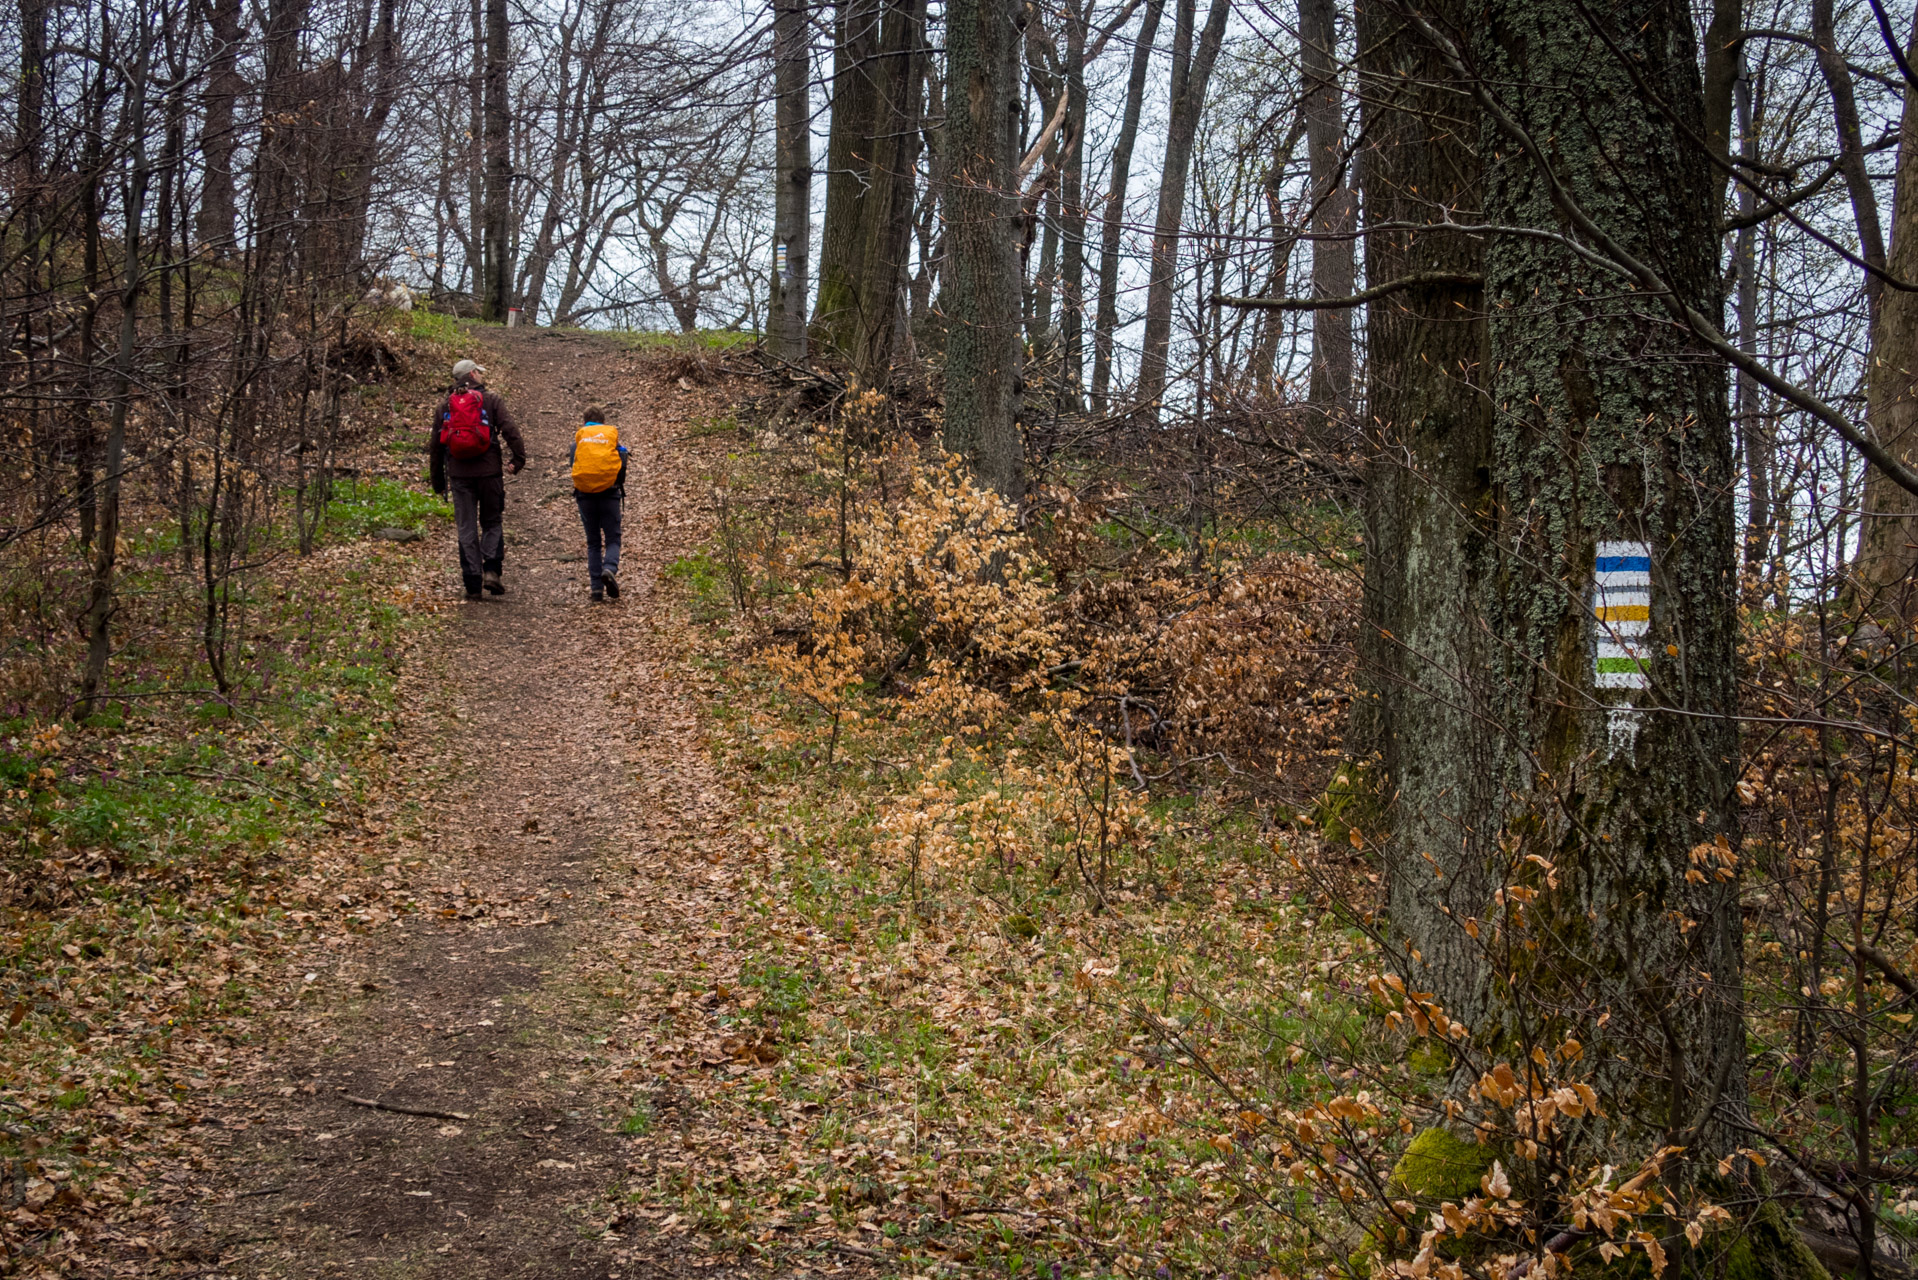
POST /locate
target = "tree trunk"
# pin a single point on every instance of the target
(1756, 437)
(475, 159)
(359, 149)
(1262, 366)
(1608, 744)
(85, 442)
(1191, 72)
(1112, 220)
(858, 64)
(927, 227)
(276, 161)
(887, 212)
(99, 614)
(984, 40)
(1851, 150)
(792, 196)
(495, 252)
(31, 195)
(1724, 67)
(1072, 202)
(1334, 209)
(1888, 547)
(1425, 506)
(213, 225)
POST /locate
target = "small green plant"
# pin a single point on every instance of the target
(362, 507)
(718, 424)
(639, 1120)
(705, 583)
(698, 340)
(434, 326)
(783, 992)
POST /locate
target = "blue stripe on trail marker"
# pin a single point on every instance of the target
(1621, 607)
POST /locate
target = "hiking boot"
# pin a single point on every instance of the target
(490, 580)
(612, 586)
(472, 586)
(598, 595)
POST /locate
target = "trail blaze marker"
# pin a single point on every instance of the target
(1622, 608)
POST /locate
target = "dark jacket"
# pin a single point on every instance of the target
(488, 463)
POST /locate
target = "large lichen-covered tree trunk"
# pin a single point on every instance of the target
(1614, 746)
(1426, 500)
(1550, 584)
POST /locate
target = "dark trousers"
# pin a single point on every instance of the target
(478, 505)
(599, 512)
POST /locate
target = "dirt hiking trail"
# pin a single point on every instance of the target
(559, 823)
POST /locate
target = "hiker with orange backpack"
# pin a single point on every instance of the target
(466, 459)
(599, 487)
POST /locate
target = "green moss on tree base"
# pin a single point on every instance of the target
(1440, 1166)
(1769, 1249)
(1352, 800)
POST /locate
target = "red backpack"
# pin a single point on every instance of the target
(465, 427)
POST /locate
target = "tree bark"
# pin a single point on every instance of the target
(1756, 442)
(1112, 219)
(792, 195)
(1851, 150)
(1334, 205)
(1191, 72)
(495, 252)
(1072, 230)
(30, 125)
(1888, 547)
(1610, 745)
(1724, 67)
(984, 40)
(850, 140)
(213, 224)
(1262, 364)
(873, 163)
(276, 161)
(100, 609)
(1426, 504)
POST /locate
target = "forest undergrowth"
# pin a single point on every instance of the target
(1069, 959)
(1033, 1001)
(208, 813)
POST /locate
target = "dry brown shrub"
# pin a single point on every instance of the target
(1261, 670)
(1252, 667)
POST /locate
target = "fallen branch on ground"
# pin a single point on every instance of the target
(395, 1107)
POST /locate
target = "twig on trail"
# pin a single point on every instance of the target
(428, 1112)
(840, 1246)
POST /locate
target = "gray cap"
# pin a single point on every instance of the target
(466, 367)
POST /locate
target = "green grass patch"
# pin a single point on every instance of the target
(361, 508)
(699, 340)
(435, 326)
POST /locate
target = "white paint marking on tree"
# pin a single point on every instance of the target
(1622, 610)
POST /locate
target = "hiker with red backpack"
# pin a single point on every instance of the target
(466, 459)
(599, 487)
